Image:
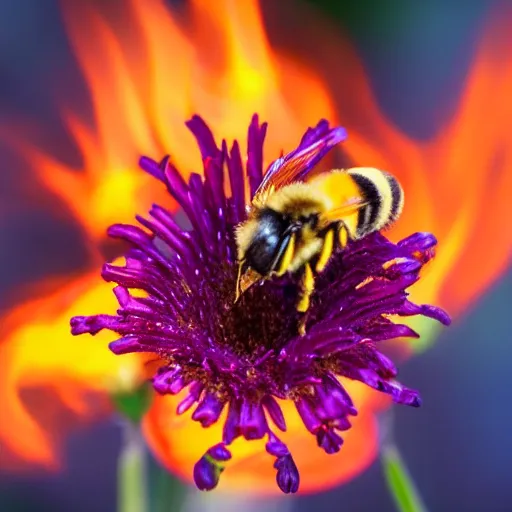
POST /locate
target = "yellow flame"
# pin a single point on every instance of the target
(457, 184)
(145, 77)
(37, 350)
(155, 68)
(145, 80)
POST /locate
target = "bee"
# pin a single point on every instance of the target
(295, 224)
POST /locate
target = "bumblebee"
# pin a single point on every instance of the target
(295, 224)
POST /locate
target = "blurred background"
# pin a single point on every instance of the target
(70, 104)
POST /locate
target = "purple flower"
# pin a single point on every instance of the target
(243, 356)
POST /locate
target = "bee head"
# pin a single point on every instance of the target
(267, 239)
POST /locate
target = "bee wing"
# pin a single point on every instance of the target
(350, 207)
(296, 165)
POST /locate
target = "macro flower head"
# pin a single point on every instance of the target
(238, 363)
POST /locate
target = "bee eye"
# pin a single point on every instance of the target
(265, 243)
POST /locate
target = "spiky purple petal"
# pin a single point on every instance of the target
(247, 356)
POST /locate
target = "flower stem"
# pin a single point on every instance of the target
(131, 472)
(400, 483)
(167, 493)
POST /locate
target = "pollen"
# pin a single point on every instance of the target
(394, 261)
(364, 282)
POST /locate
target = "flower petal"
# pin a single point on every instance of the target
(178, 443)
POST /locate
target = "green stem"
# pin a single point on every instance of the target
(399, 481)
(167, 493)
(400, 484)
(131, 472)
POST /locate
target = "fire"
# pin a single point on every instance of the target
(456, 184)
(37, 351)
(153, 68)
(145, 78)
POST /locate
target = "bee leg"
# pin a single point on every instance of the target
(307, 287)
(326, 252)
(308, 280)
(343, 234)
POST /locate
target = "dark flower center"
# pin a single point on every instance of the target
(263, 319)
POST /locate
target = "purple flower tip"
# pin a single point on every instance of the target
(329, 440)
(208, 468)
(209, 411)
(85, 324)
(275, 446)
(219, 452)
(247, 356)
(287, 477)
(78, 325)
(206, 473)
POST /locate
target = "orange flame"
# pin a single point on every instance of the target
(457, 184)
(37, 350)
(155, 68)
(453, 196)
(145, 78)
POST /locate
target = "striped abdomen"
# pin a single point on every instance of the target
(384, 196)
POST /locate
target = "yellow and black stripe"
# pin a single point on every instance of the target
(383, 195)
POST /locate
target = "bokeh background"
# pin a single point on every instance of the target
(458, 445)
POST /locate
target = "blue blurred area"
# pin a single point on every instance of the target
(458, 445)
(416, 54)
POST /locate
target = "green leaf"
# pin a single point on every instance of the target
(399, 481)
(134, 404)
